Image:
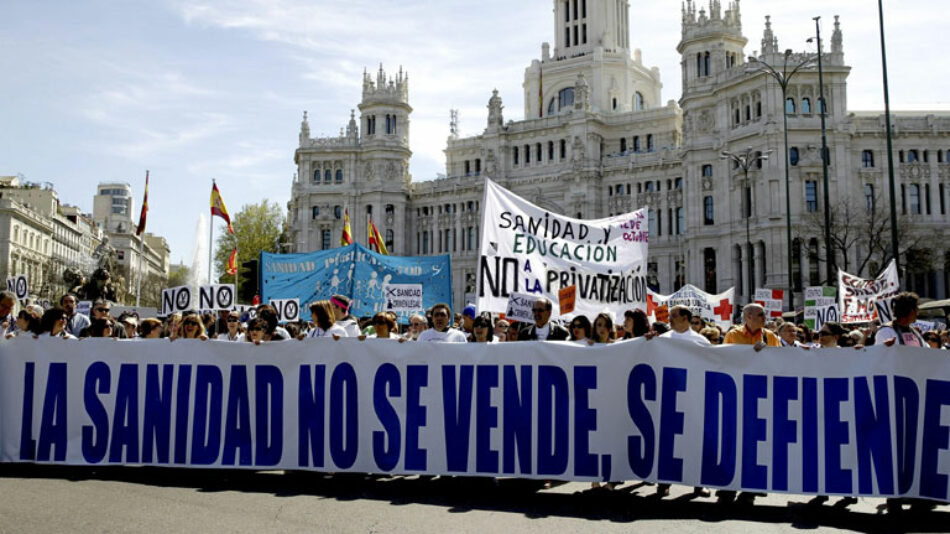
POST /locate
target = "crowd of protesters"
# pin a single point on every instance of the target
(331, 318)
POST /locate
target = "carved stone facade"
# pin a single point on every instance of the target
(596, 141)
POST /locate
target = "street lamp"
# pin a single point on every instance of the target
(745, 160)
(783, 77)
(825, 156)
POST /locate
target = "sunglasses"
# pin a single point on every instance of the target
(234, 320)
(103, 310)
(255, 329)
(191, 323)
(577, 326)
(108, 325)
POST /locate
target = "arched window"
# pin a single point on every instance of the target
(623, 145)
(394, 125)
(793, 156)
(680, 225)
(790, 106)
(867, 159)
(316, 176)
(514, 155)
(552, 106)
(649, 142)
(550, 150)
(706, 69)
(709, 213)
(327, 176)
(913, 156)
(563, 149)
(339, 176)
(736, 117)
(758, 159)
(388, 125)
(390, 209)
(390, 239)
(565, 98)
(915, 199)
(748, 112)
(337, 212)
(636, 143)
(537, 152)
(315, 212)
(707, 170)
(699, 64)
(527, 154)
(806, 105)
(758, 109)
(613, 103)
(638, 103)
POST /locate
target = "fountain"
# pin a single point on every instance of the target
(199, 260)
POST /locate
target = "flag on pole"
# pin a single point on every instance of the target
(375, 241)
(232, 263)
(347, 237)
(218, 208)
(141, 227)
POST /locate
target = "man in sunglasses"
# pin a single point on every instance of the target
(442, 330)
(752, 331)
(102, 309)
(543, 328)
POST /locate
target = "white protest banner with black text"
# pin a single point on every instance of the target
(528, 249)
(864, 300)
(864, 422)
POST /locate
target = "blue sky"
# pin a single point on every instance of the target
(97, 90)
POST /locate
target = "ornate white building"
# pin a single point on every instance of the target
(597, 140)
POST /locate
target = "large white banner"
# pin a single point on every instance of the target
(864, 300)
(717, 309)
(824, 421)
(527, 249)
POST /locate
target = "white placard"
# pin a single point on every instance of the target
(20, 286)
(864, 300)
(175, 300)
(288, 310)
(403, 297)
(520, 306)
(216, 297)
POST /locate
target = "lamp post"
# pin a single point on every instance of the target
(822, 110)
(783, 77)
(745, 160)
(890, 147)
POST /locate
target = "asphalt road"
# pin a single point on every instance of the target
(38, 499)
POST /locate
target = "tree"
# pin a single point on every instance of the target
(257, 228)
(861, 237)
(178, 275)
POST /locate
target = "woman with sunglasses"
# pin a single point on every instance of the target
(53, 324)
(255, 331)
(829, 335)
(384, 325)
(192, 327)
(482, 331)
(102, 328)
(235, 330)
(580, 328)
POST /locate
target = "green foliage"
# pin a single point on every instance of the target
(257, 228)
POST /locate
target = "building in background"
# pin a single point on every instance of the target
(597, 140)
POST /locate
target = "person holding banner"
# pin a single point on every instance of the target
(342, 317)
(900, 330)
(829, 336)
(53, 324)
(681, 319)
(580, 329)
(324, 318)
(233, 332)
(417, 323)
(441, 331)
(543, 328)
(150, 328)
(635, 324)
(752, 331)
(75, 321)
(273, 331)
(788, 335)
(384, 323)
(255, 331)
(7, 319)
(192, 327)
(501, 330)
(603, 331)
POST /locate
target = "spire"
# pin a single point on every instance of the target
(352, 130)
(454, 123)
(495, 117)
(837, 45)
(304, 129)
(769, 42)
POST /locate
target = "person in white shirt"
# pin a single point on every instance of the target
(342, 317)
(234, 328)
(900, 331)
(440, 331)
(325, 325)
(417, 324)
(384, 326)
(680, 326)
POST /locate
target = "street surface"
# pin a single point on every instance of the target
(38, 499)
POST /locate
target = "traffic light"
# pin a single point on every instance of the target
(250, 280)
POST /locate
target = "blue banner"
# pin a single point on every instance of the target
(354, 271)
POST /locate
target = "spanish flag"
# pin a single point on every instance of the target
(374, 240)
(347, 237)
(141, 227)
(232, 263)
(218, 208)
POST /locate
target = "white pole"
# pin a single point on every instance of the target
(211, 242)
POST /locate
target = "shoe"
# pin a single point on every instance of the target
(700, 491)
(662, 490)
(848, 501)
(746, 498)
(725, 497)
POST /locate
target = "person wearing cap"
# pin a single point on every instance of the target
(341, 312)
(468, 319)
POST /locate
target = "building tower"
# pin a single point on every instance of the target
(592, 38)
